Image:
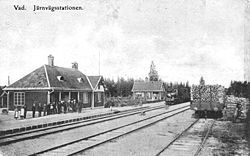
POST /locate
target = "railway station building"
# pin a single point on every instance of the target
(50, 83)
(148, 90)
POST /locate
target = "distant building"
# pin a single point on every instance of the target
(149, 90)
(50, 83)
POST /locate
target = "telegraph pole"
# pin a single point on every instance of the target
(8, 80)
(99, 65)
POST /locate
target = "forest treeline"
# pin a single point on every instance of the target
(239, 89)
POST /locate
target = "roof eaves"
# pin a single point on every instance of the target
(47, 77)
(70, 89)
(46, 88)
(144, 90)
(7, 89)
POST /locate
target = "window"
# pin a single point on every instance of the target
(19, 98)
(99, 95)
(85, 97)
(80, 80)
(60, 78)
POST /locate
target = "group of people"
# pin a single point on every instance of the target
(51, 108)
(23, 112)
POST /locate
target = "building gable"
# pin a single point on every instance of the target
(97, 83)
(94, 80)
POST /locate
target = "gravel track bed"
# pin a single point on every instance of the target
(31, 146)
(190, 141)
(146, 142)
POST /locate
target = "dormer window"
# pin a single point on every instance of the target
(80, 80)
(60, 78)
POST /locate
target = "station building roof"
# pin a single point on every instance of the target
(156, 86)
(49, 77)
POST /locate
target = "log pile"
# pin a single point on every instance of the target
(231, 104)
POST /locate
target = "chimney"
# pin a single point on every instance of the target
(51, 60)
(75, 65)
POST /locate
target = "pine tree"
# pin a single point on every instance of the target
(153, 74)
(202, 81)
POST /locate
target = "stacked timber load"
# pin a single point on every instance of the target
(208, 93)
(217, 94)
(205, 93)
(195, 92)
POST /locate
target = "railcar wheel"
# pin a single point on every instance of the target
(205, 114)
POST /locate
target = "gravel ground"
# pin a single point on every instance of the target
(147, 141)
(227, 139)
(29, 146)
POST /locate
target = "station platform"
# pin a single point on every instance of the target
(9, 125)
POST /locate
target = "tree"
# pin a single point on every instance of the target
(153, 74)
(202, 81)
(121, 87)
(239, 89)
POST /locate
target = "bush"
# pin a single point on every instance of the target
(121, 102)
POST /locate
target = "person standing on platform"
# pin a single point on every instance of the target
(48, 109)
(40, 109)
(16, 113)
(79, 106)
(74, 105)
(22, 113)
(44, 109)
(59, 107)
(51, 108)
(54, 107)
(68, 106)
(64, 107)
(33, 110)
(25, 111)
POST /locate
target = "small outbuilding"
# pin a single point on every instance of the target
(148, 90)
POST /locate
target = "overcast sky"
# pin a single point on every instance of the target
(186, 39)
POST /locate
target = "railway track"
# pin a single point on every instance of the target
(188, 144)
(82, 144)
(31, 134)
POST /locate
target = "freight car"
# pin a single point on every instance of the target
(208, 100)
